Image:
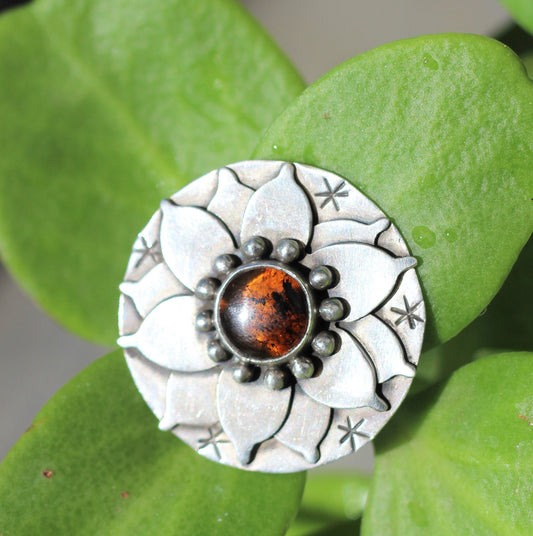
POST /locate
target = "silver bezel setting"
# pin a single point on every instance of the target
(311, 311)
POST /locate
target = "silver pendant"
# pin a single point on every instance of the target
(271, 316)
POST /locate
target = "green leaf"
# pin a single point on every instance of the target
(112, 472)
(332, 502)
(504, 325)
(522, 12)
(466, 465)
(528, 62)
(106, 107)
(438, 131)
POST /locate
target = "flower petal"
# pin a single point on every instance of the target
(149, 379)
(392, 240)
(128, 323)
(250, 412)
(157, 285)
(411, 338)
(279, 209)
(335, 231)
(197, 193)
(347, 379)
(191, 399)
(255, 173)
(230, 200)
(319, 182)
(306, 426)
(367, 274)
(191, 238)
(169, 338)
(382, 345)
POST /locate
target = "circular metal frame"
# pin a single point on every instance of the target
(310, 305)
(252, 426)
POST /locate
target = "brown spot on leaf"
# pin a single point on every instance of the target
(47, 473)
(326, 116)
(31, 427)
(124, 494)
(524, 418)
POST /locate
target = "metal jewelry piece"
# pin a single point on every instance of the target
(271, 316)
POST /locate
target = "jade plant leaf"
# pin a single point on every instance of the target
(528, 62)
(504, 325)
(466, 465)
(331, 504)
(438, 131)
(522, 12)
(93, 462)
(106, 107)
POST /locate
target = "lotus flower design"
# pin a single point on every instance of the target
(263, 312)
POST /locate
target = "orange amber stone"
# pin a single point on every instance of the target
(263, 311)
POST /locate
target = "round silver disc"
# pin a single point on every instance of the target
(293, 405)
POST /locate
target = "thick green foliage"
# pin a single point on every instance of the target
(506, 324)
(105, 109)
(331, 504)
(459, 461)
(522, 12)
(438, 131)
(108, 106)
(93, 463)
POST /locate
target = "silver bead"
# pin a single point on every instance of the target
(224, 264)
(331, 310)
(207, 288)
(217, 352)
(204, 321)
(288, 250)
(255, 248)
(277, 378)
(244, 373)
(324, 343)
(302, 368)
(321, 277)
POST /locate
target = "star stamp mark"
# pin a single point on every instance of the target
(330, 194)
(351, 432)
(147, 251)
(212, 440)
(408, 313)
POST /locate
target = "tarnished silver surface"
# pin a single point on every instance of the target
(280, 209)
(167, 336)
(360, 266)
(347, 379)
(329, 393)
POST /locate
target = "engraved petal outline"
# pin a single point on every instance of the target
(347, 379)
(167, 337)
(368, 274)
(191, 238)
(151, 380)
(306, 426)
(279, 209)
(250, 413)
(382, 345)
(230, 201)
(335, 231)
(190, 399)
(154, 287)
